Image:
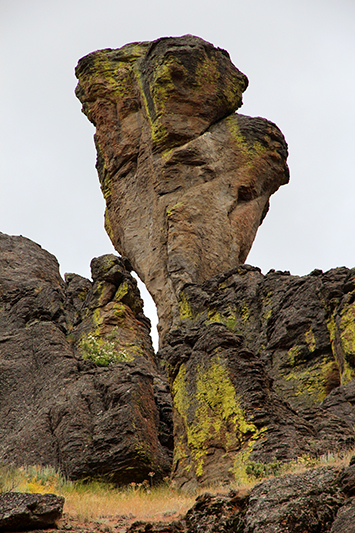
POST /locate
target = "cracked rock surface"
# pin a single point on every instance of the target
(58, 408)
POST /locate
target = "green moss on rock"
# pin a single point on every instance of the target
(305, 384)
(347, 333)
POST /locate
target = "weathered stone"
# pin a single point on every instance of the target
(217, 513)
(347, 480)
(345, 518)
(255, 374)
(305, 502)
(56, 408)
(157, 527)
(186, 181)
(22, 512)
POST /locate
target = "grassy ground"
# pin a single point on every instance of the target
(98, 502)
(94, 501)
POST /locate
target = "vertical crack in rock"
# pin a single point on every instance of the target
(186, 180)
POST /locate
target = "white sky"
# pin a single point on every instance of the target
(299, 56)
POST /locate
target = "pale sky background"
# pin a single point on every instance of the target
(299, 56)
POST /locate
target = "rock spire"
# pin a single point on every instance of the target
(186, 180)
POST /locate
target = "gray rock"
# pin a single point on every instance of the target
(305, 502)
(255, 367)
(57, 408)
(21, 511)
(345, 518)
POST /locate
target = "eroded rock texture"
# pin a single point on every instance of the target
(186, 180)
(261, 370)
(23, 512)
(308, 502)
(56, 408)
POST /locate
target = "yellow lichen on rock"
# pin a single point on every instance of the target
(211, 412)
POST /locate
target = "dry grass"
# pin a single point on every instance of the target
(98, 502)
(95, 501)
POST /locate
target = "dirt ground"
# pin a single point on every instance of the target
(106, 524)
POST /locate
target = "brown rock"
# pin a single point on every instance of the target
(156, 527)
(347, 480)
(345, 518)
(186, 181)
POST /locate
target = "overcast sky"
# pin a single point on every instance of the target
(299, 56)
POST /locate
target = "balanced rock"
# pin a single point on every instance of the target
(186, 180)
(79, 387)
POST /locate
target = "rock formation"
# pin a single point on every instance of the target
(61, 402)
(186, 180)
(260, 367)
(261, 370)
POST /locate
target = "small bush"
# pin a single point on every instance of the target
(261, 470)
(40, 479)
(102, 353)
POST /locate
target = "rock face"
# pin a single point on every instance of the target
(21, 512)
(79, 388)
(186, 180)
(261, 371)
(260, 367)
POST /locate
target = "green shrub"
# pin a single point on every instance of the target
(261, 470)
(103, 353)
(35, 478)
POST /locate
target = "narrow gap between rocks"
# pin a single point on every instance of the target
(149, 310)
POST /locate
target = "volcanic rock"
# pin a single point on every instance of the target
(307, 502)
(296, 502)
(22, 512)
(186, 180)
(79, 387)
(261, 370)
(345, 518)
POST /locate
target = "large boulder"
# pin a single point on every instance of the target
(22, 512)
(79, 387)
(186, 180)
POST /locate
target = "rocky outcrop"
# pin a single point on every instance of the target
(261, 367)
(79, 387)
(22, 512)
(312, 501)
(186, 180)
(261, 371)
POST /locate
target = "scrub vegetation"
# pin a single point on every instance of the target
(93, 500)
